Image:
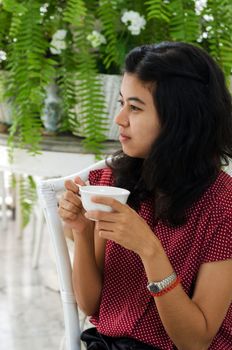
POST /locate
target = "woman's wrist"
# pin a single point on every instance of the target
(155, 261)
(151, 249)
(86, 233)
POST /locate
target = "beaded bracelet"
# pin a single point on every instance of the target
(167, 289)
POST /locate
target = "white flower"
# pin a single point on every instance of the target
(200, 5)
(59, 34)
(57, 46)
(202, 36)
(134, 21)
(3, 55)
(58, 43)
(134, 29)
(208, 18)
(96, 39)
(44, 8)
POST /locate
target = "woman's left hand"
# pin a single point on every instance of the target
(124, 226)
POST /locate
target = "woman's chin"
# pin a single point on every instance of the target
(131, 153)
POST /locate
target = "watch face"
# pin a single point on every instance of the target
(153, 288)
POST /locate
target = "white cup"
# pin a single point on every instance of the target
(86, 192)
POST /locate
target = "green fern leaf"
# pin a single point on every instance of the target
(108, 15)
(184, 24)
(28, 196)
(30, 73)
(157, 9)
(219, 32)
(75, 12)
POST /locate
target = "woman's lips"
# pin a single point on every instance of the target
(123, 138)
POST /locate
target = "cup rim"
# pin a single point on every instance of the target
(91, 190)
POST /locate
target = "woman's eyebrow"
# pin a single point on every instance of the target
(134, 98)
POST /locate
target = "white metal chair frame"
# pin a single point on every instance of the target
(47, 191)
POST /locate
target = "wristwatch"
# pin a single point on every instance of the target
(157, 287)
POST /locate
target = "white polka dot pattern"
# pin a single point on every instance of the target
(127, 309)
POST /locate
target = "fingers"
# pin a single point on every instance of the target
(103, 216)
(72, 198)
(71, 186)
(105, 226)
(113, 203)
(78, 181)
(69, 206)
(64, 204)
(66, 215)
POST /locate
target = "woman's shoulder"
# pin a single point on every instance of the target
(221, 192)
(218, 234)
(216, 202)
(211, 220)
(103, 177)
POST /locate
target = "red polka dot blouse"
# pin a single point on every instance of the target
(127, 308)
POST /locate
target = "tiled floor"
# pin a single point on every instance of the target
(30, 309)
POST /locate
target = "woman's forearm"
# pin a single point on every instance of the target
(182, 319)
(87, 278)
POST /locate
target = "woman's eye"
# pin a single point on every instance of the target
(121, 103)
(131, 107)
(134, 108)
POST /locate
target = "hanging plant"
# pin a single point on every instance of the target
(87, 84)
(29, 72)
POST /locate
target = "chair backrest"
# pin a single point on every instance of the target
(47, 192)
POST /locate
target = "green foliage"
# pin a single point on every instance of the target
(30, 73)
(113, 52)
(66, 79)
(184, 25)
(5, 18)
(158, 9)
(90, 99)
(86, 85)
(219, 32)
(28, 196)
(180, 22)
(75, 12)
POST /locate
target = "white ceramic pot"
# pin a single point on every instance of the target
(52, 109)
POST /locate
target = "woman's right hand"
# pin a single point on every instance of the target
(71, 210)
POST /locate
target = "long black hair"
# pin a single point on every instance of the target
(195, 112)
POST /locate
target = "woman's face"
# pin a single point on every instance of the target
(138, 118)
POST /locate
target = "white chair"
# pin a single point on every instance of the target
(47, 191)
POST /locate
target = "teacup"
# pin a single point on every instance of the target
(87, 192)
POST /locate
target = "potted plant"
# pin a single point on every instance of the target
(70, 42)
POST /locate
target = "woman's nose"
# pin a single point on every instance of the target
(121, 118)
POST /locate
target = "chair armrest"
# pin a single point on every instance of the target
(58, 184)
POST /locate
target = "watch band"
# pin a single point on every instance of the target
(157, 287)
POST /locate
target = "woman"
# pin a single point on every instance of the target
(156, 273)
